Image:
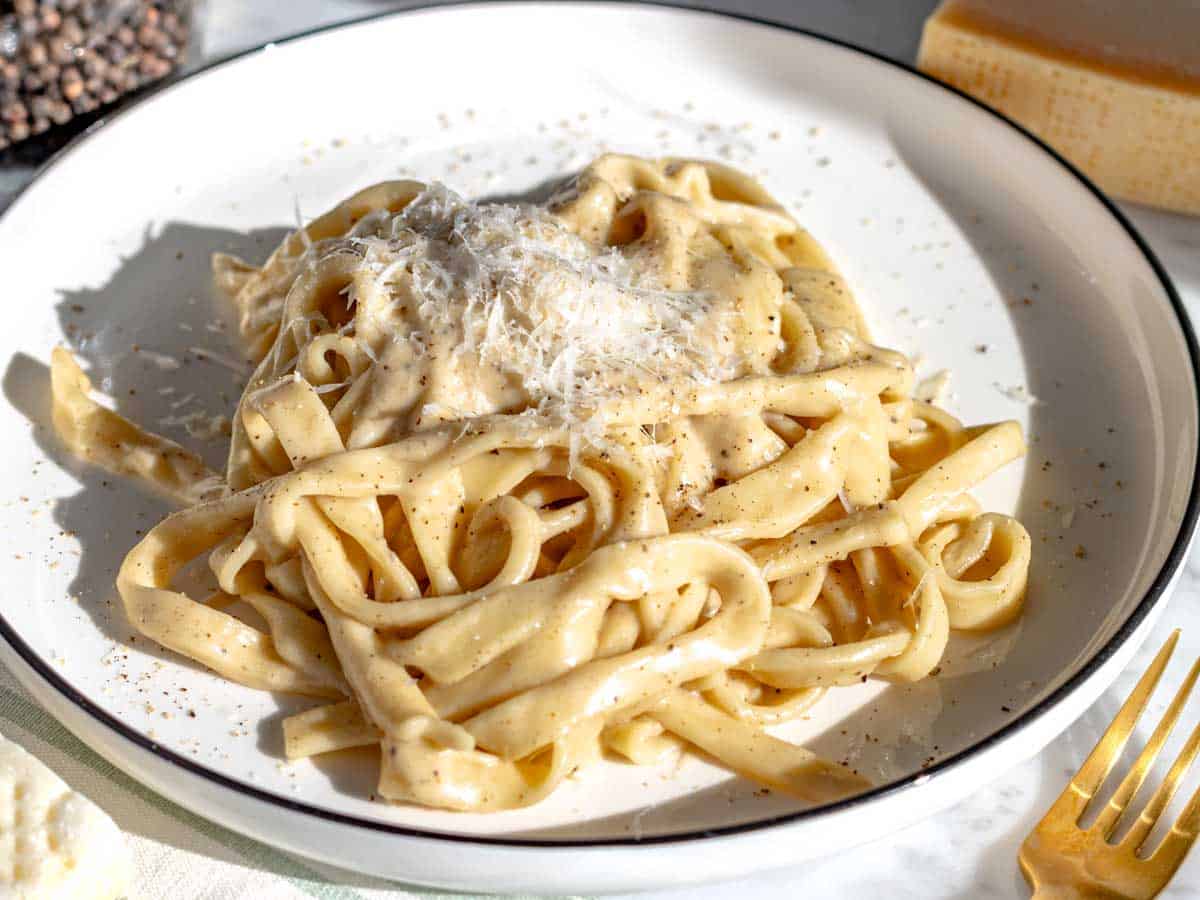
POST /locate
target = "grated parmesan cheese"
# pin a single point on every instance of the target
(933, 389)
(238, 367)
(500, 295)
(1017, 393)
(164, 361)
(199, 424)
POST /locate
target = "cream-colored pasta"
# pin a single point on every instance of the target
(514, 486)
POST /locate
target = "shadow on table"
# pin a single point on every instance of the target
(998, 870)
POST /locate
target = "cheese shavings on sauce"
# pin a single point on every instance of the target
(500, 308)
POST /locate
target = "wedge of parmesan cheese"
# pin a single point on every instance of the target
(1112, 85)
(54, 842)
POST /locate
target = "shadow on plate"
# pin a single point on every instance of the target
(133, 334)
(1048, 370)
(540, 193)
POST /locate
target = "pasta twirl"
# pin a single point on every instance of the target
(515, 486)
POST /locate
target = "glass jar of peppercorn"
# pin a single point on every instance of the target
(63, 59)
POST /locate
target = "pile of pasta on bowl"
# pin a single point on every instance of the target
(514, 486)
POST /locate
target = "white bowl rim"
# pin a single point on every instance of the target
(1171, 564)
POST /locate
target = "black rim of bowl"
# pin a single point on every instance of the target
(1170, 565)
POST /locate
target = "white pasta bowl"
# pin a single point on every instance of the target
(967, 242)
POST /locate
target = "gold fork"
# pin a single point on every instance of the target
(1062, 860)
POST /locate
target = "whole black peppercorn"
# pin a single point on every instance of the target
(61, 51)
(93, 64)
(153, 66)
(72, 31)
(36, 53)
(114, 52)
(60, 112)
(148, 36)
(14, 112)
(84, 104)
(72, 84)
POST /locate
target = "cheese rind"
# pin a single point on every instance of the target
(1137, 137)
(54, 842)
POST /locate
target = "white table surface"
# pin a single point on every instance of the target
(968, 851)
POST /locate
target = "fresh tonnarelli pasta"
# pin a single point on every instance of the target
(514, 486)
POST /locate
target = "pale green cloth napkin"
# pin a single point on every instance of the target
(178, 855)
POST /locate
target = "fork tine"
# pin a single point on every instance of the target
(1179, 839)
(1166, 791)
(1100, 762)
(1127, 790)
